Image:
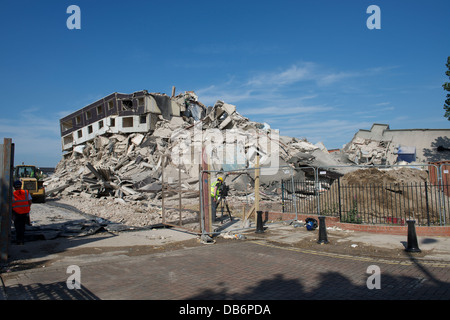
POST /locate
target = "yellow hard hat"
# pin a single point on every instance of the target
(220, 178)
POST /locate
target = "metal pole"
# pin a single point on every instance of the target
(162, 190)
(339, 197)
(317, 189)
(441, 202)
(294, 195)
(200, 188)
(256, 188)
(179, 190)
(426, 202)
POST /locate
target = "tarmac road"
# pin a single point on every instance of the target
(283, 263)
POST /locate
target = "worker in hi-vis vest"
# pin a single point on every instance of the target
(215, 191)
(21, 208)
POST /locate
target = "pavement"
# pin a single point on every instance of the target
(285, 262)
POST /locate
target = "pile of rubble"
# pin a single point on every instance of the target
(396, 176)
(368, 151)
(119, 177)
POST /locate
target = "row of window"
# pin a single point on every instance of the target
(126, 105)
(127, 122)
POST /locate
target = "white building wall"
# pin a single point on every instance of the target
(119, 127)
(426, 141)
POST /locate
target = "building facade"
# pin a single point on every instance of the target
(391, 146)
(118, 113)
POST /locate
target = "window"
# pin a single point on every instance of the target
(68, 139)
(90, 129)
(99, 110)
(112, 122)
(78, 119)
(143, 119)
(110, 105)
(80, 133)
(100, 124)
(141, 102)
(127, 122)
(127, 104)
(88, 115)
(66, 125)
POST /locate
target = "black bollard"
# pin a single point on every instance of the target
(412, 245)
(259, 222)
(322, 231)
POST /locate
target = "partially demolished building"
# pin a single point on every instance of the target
(119, 150)
(123, 113)
(383, 145)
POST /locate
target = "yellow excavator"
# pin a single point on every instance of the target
(31, 178)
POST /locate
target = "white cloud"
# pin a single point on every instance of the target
(277, 111)
(334, 132)
(307, 71)
(330, 78)
(36, 138)
(293, 74)
(306, 100)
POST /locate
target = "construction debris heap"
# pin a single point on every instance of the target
(119, 150)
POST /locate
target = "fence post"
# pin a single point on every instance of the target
(317, 189)
(339, 197)
(6, 169)
(444, 191)
(427, 204)
(412, 245)
(259, 222)
(322, 231)
(294, 195)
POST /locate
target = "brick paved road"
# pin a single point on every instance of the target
(237, 270)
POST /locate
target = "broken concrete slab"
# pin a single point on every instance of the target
(137, 139)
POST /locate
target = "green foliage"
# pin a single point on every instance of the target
(329, 209)
(446, 87)
(352, 215)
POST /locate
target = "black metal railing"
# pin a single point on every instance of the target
(426, 203)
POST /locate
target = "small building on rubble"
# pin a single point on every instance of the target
(121, 113)
(383, 145)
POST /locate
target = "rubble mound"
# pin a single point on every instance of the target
(138, 179)
(120, 176)
(374, 176)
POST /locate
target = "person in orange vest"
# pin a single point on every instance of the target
(21, 209)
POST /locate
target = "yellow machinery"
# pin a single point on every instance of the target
(31, 178)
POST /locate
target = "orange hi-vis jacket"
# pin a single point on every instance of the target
(20, 203)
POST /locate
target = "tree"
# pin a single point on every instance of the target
(446, 87)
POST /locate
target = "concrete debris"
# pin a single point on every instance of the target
(367, 151)
(206, 239)
(235, 236)
(118, 175)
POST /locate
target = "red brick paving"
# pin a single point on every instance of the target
(237, 270)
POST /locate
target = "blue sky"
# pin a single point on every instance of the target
(309, 68)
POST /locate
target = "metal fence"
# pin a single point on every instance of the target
(247, 199)
(390, 203)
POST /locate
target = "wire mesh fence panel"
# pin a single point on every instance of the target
(300, 195)
(246, 197)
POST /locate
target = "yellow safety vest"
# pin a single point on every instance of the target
(215, 195)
